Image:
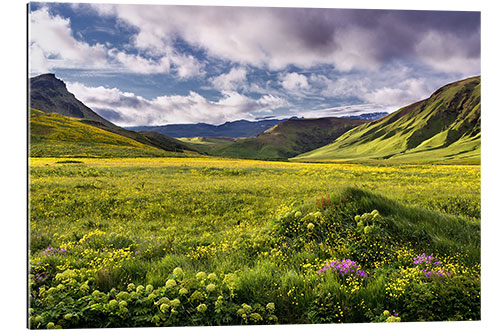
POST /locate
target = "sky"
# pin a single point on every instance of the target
(160, 64)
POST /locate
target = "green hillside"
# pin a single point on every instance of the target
(289, 138)
(443, 128)
(206, 144)
(55, 135)
(49, 94)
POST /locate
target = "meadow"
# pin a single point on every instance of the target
(167, 241)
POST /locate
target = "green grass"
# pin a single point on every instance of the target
(207, 144)
(444, 128)
(54, 135)
(288, 139)
(134, 220)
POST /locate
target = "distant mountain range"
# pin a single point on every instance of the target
(230, 129)
(446, 127)
(289, 138)
(368, 116)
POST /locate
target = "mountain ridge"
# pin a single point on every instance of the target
(56, 135)
(443, 127)
(241, 128)
(289, 138)
(231, 129)
(49, 94)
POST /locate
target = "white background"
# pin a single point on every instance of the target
(13, 161)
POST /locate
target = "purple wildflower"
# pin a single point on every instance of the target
(424, 262)
(424, 259)
(343, 267)
(53, 250)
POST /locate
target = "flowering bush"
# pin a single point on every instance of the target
(388, 317)
(368, 221)
(50, 251)
(145, 222)
(344, 268)
(429, 266)
(187, 301)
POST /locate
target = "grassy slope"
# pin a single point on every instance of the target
(289, 138)
(442, 128)
(55, 135)
(210, 218)
(153, 139)
(207, 144)
(49, 94)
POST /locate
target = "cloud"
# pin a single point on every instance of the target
(259, 59)
(343, 87)
(128, 109)
(52, 46)
(407, 92)
(450, 56)
(395, 85)
(186, 65)
(349, 110)
(277, 37)
(294, 82)
(233, 80)
(138, 64)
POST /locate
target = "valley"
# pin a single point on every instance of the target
(332, 220)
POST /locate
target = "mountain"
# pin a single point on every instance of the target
(289, 138)
(230, 129)
(48, 94)
(446, 127)
(368, 116)
(55, 135)
(207, 144)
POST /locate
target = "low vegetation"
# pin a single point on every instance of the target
(289, 138)
(55, 135)
(210, 241)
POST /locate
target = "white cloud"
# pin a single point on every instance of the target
(407, 92)
(276, 37)
(128, 109)
(358, 49)
(251, 35)
(449, 57)
(294, 82)
(270, 102)
(138, 64)
(234, 79)
(52, 45)
(395, 86)
(349, 86)
(186, 65)
(349, 110)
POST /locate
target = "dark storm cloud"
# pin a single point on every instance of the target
(316, 28)
(274, 38)
(392, 34)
